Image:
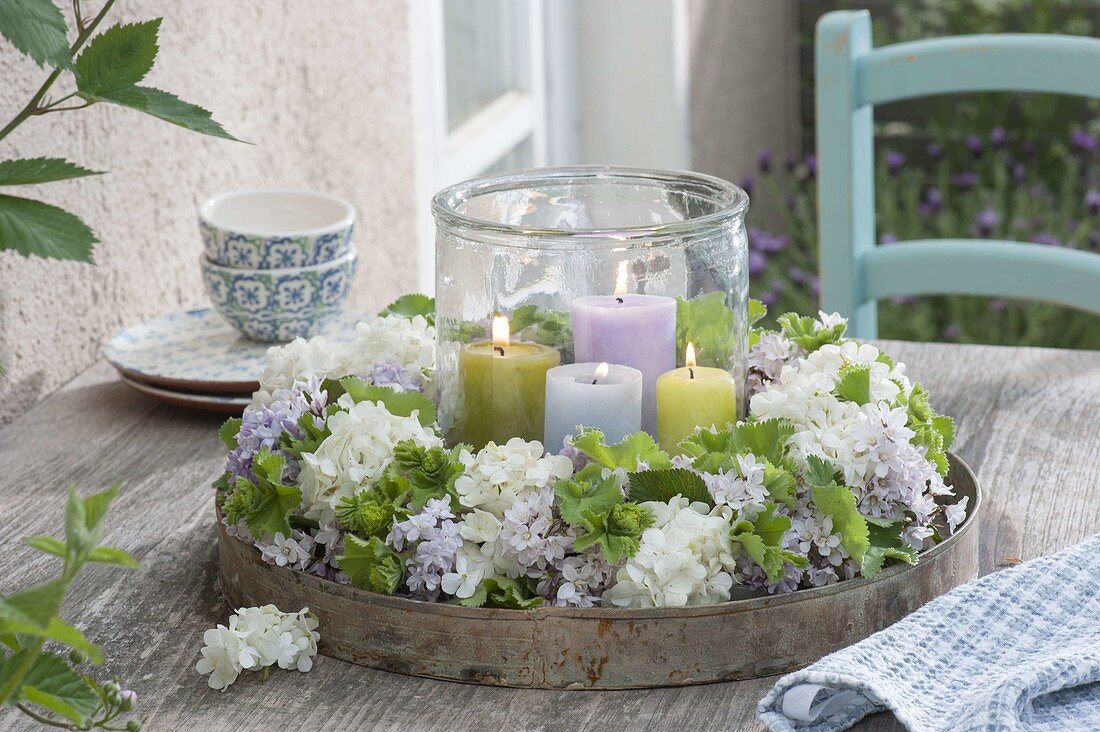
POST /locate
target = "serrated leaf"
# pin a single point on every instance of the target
(576, 498)
(629, 453)
(499, 592)
(663, 485)
(34, 606)
(47, 544)
(112, 555)
(227, 433)
(36, 28)
(854, 383)
(705, 321)
(272, 502)
(28, 171)
(32, 227)
(839, 502)
(780, 484)
(117, 58)
(819, 471)
(398, 403)
(885, 543)
(165, 106)
(803, 330)
(762, 540)
(51, 683)
(946, 427)
(370, 564)
(411, 305)
(757, 311)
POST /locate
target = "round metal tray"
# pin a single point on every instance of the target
(604, 648)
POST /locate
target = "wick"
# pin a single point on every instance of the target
(619, 300)
(594, 380)
(691, 371)
(500, 349)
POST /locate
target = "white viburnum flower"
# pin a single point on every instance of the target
(299, 360)
(500, 475)
(393, 339)
(256, 638)
(221, 654)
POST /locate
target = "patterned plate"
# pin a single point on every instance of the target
(221, 403)
(198, 350)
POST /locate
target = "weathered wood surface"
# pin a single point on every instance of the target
(606, 648)
(1028, 423)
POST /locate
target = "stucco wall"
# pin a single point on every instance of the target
(744, 85)
(321, 89)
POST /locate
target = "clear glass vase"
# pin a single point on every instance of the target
(588, 264)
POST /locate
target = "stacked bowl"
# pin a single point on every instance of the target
(277, 263)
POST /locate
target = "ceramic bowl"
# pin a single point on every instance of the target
(280, 304)
(274, 228)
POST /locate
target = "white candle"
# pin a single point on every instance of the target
(605, 396)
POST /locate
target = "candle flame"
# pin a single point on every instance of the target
(500, 331)
(689, 357)
(620, 280)
(602, 371)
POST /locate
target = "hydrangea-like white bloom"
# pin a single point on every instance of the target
(393, 339)
(767, 358)
(258, 637)
(499, 475)
(684, 559)
(298, 361)
(356, 452)
(742, 489)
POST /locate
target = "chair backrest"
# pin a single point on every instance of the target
(852, 77)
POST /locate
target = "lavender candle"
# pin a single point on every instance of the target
(634, 330)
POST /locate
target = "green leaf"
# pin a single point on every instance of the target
(48, 544)
(56, 630)
(272, 502)
(229, 431)
(781, 484)
(32, 227)
(762, 540)
(854, 383)
(819, 471)
(500, 592)
(398, 403)
(946, 427)
(547, 327)
(803, 330)
(707, 322)
(27, 171)
(663, 485)
(371, 564)
(35, 606)
(117, 58)
(757, 311)
(575, 498)
(627, 453)
(885, 543)
(95, 510)
(53, 684)
(766, 440)
(165, 106)
(411, 305)
(112, 555)
(839, 502)
(36, 28)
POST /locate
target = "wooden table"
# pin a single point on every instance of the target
(1028, 423)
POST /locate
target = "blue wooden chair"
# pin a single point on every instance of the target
(852, 77)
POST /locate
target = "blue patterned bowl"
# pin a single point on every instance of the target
(274, 228)
(280, 304)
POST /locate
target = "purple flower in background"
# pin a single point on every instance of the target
(815, 286)
(974, 144)
(1046, 239)
(1092, 202)
(932, 203)
(903, 299)
(1019, 173)
(791, 202)
(764, 160)
(984, 222)
(997, 137)
(952, 332)
(1093, 239)
(763, 241)
(894, 161)
(965, 180)
(811, 166)
(790, 162)
(758, 261)
(769, 298)
(1028, 148)
(887, 238)
(1084, 141)
(934, 150)
(747, 184)
(798, 276)
(996, 305)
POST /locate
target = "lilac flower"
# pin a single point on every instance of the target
(965, 180)
(758, 262)
(952, 332)
(1019, 173)
(997, 137)
(531, 536)
(1093, 239)
(262, 428)
(996, 305)
(747, 184)
(1092, 202)
(811, 166)
(437, 539)
(815, 286)
(934, 150)
(1028, 148)
(790, 162)
(790, 201)
(894, 162)
(766, 242)
(984, 222)
(764, 160)
(974, 144)
(932, 203)
(1084, 141)
(887, 238)
(798, 276)
(1046, 239)
(393, 375)
(578, 458)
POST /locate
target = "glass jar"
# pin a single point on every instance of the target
(585, 264)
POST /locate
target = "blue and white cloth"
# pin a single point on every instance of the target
(1018, 649)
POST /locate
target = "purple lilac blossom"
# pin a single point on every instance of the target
(1084, 141)
(965, 180)
(997, 137)
(887, 238)
(894, 162)
(764, 160)
(1046, 239)
(932, 203)
(1092, 202)
(436, 538)
(393, 375)
(758, 262)
(798, 276)
(934, 150)
(974, 144)
(747, 184)
(262, 428)
(985, 222)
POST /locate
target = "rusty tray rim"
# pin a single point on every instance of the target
(602, 613)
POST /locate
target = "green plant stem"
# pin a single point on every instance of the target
(41, 719)
(32, 107)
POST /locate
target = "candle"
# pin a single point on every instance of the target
(503, 387)
(692, 397)
(607, 397)
(634, 330)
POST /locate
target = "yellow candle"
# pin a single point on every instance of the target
(691, 397)
(503, 388)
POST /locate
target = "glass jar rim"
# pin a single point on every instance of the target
(732, 201)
